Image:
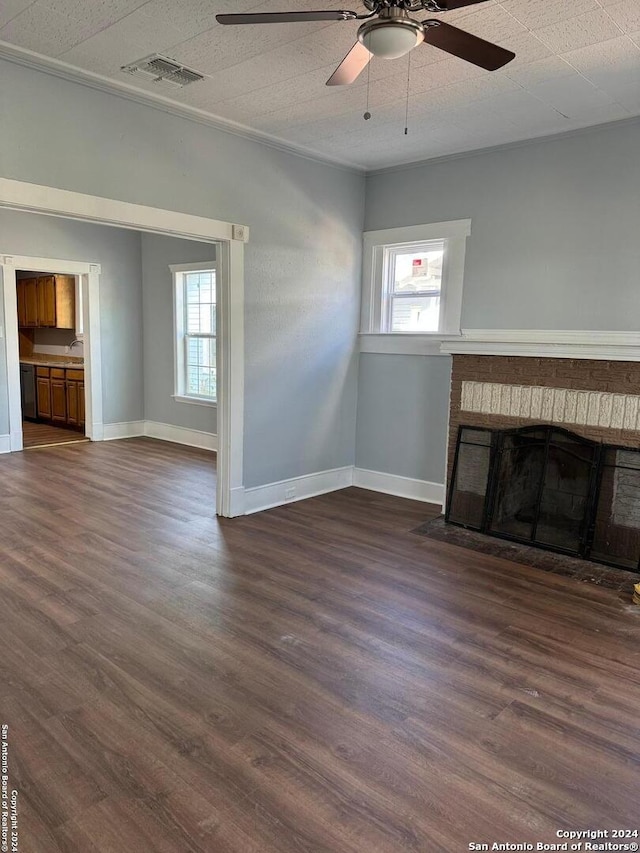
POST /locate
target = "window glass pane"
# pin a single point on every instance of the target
(201, 367)
(200, 302)
(415, 314)
(418, 270)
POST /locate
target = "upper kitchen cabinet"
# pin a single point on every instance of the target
(28, 302)
(47, 302)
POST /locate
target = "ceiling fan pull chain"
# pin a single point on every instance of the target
(406, 115)
(367, 114)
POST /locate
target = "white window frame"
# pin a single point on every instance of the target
(375, 294)
(179, 332)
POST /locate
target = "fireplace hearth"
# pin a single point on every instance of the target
(546, 486)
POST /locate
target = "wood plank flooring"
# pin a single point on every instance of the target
(311, 679)
(43, 435)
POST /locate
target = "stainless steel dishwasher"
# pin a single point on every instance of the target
(28, 391)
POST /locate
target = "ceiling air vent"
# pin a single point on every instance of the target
(159, 69)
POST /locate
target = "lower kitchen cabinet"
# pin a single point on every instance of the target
(43, 396)
(59, 400)
(73, 412)
(81, 408)
(60, 395)
(75, 397)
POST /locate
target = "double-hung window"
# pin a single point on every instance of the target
(195, 333)
(412, 286)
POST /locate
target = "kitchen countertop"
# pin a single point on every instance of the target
(73, 363)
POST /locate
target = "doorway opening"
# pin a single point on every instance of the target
(231, 239)
(53, 350)
(51, 353)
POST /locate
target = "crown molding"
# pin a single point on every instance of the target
(543, 343)
(505, 146)
(73, 74)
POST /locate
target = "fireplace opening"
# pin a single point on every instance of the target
(546, 486)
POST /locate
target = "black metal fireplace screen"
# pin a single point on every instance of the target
(548, 487)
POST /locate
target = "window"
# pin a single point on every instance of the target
(412, 286)
(195, 333)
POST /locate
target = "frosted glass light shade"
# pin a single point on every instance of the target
(392, 40)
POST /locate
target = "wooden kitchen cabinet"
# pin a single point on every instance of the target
(31, 302)
(22, 304)
(60, 395)
(75, 397)
(43, 396)
(47, 302)
(65, 295)
(73, 414)
(58, 401)
(46, 287)
(81, 407)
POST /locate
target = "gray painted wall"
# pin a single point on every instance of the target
(554, 235)
(403, 406)
(157, 300)
(118, 251)
(302, 264)
(554, 245)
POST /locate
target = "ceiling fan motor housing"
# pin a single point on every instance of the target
(392, 35)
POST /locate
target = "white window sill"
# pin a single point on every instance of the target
(405, 343)
(195, 401)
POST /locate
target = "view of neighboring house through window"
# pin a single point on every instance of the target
(195, 317)
(414, 285)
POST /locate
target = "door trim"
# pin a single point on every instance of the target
(89, 276)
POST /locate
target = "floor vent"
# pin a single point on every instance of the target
(160, 69)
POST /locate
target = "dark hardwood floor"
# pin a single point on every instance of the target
(44, 434)
(311, 679)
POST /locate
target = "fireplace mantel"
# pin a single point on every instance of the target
(541, 343)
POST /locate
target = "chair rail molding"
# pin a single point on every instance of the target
(546, 343)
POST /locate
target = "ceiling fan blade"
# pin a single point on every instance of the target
(351, 66)
(285, 17)
(479, 52)
(450, 5)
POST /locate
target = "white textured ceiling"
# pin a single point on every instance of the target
(577, 64)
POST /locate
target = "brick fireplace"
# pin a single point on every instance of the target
(593, 399)
(596, 399)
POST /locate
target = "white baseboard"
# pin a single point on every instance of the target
(404, 487)
(296, 489)
(5, 444)
(236, 502)
(130, 429)
(181, 435)
(271, 495)
(96, 432)
(164, 432)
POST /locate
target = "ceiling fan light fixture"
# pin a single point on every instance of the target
(391, 39)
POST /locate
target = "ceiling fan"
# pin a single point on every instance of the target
(390, 32)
